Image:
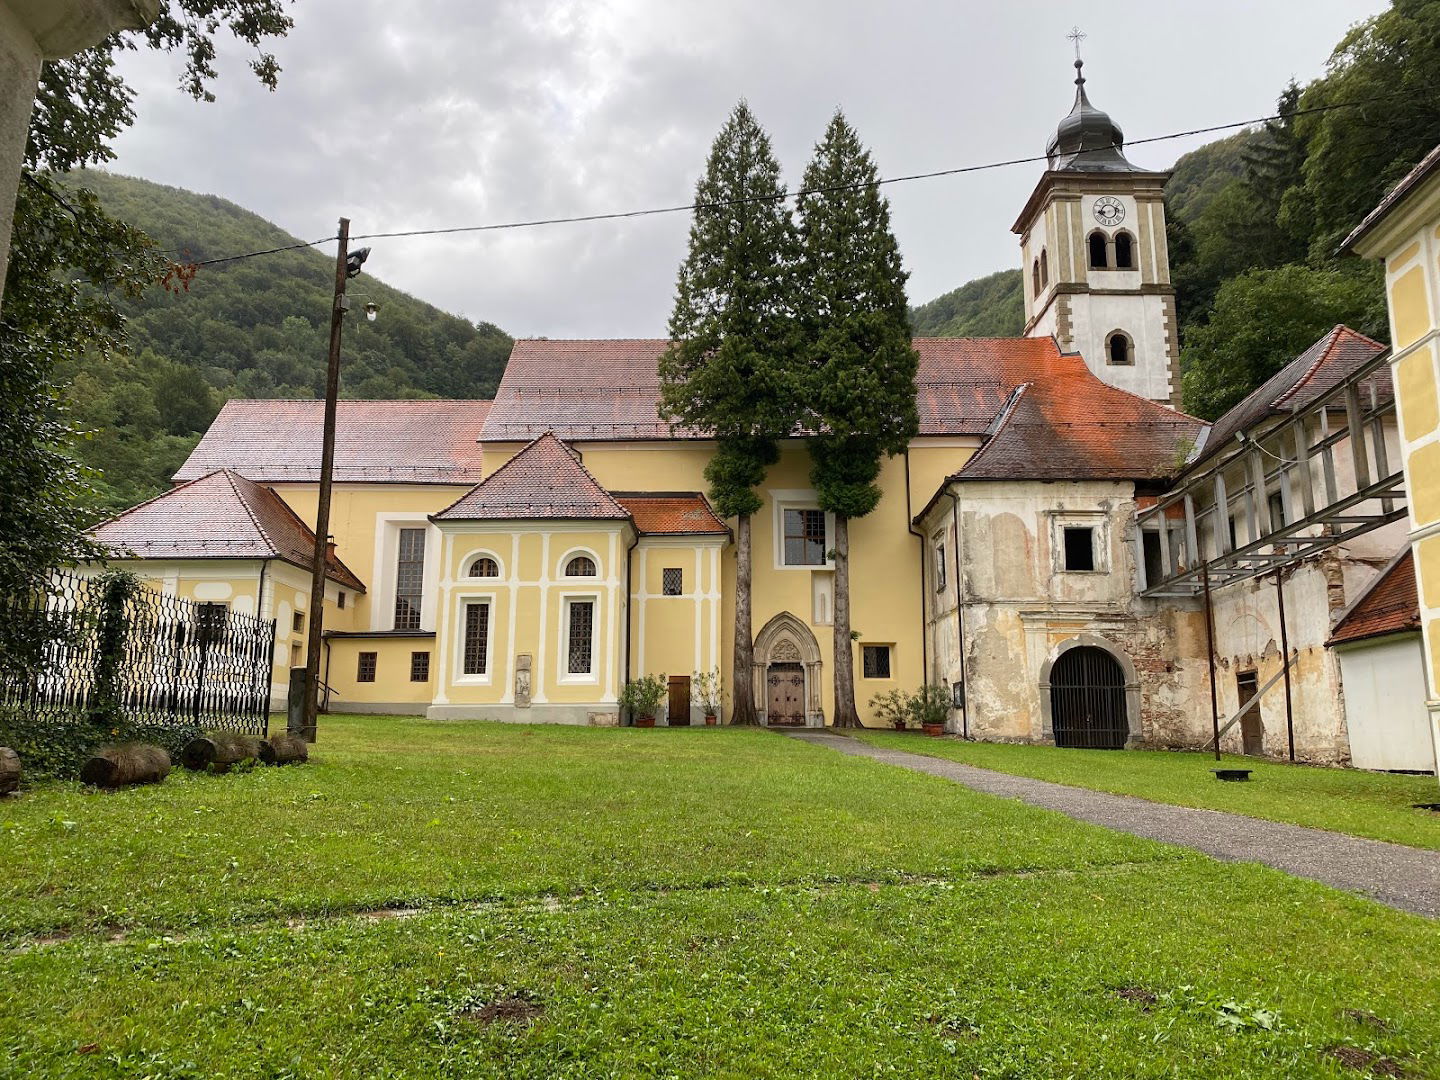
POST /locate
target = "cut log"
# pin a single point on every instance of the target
(9, 770)
(284, 749)
(127, 763)
(219, 750)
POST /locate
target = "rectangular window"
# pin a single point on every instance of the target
(297, 624)
(419, 667)
(1276, 502)
(1234, 536)
(939, 567)
(365, 669)
(672, 581)
(476, 660)
(295, 656)
(875, 661)
(1079, 547)
(210, 622)
(581, 638)
(340, 600)
(409, 579)
(804, 538)
(1154, 568)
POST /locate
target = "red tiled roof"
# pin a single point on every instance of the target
(672, 514)
(220, 515)
(610, 389)
(1390, 605)
(423, 442)
(1426, 165)
(544, 480)
(1068, 425)
(1298, 384)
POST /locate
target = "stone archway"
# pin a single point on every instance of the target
(1129, 683)
(786, 645)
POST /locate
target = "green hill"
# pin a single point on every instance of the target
(991, 306)
(253, 328)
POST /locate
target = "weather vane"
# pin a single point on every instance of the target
(1076, 35)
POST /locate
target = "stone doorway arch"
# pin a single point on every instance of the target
(1127, 691)
(787, 645)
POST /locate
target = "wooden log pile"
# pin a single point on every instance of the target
(9, 770)
(219, 751)
(284, 749)
(127, 763)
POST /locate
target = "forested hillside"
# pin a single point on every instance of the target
(1256, 218)
(252, 328)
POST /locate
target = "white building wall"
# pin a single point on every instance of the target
(1385, 704)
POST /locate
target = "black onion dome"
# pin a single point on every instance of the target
(1087, 140)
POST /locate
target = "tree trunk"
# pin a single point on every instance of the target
(284, 749)
(128, 763)
(846, 715)
(220, 749)
(743, 711)
(9, 770)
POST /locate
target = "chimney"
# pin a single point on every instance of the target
(330, 549)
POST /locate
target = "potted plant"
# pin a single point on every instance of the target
(641, 699)
(893, 707)
(707, 690)
(930, 707)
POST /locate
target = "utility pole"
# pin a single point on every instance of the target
(322, 507)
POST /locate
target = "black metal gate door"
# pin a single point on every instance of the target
(1087, 700)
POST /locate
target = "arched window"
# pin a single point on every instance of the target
(580, 566)
(1119, 349)
(1035, 277)
(1124, 251)
(1099, 251)
(1044, 269)
(484, 567)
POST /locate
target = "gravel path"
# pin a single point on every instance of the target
(1403, 877)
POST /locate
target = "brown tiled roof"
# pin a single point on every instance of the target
(544, 480)
(220, 515)
(684, 513)
(1390, 605)
(1298, 384)
(610, 389)
(1427, 165)
(1066, 424)
(418, 442)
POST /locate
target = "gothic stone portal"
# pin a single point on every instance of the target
(787, 674)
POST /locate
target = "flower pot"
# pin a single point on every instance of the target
(934, 730)
(710, 718)
(644, 721)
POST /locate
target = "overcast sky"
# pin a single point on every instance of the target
(432, 113)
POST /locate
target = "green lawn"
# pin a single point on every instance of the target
(663, 904)
(1378, 805)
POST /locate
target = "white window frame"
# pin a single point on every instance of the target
(560, 574)
(799, 500)
(461, 602)
(470, 560)
(889, 648)
(942, 576)
(566, 677)
(1098, 522)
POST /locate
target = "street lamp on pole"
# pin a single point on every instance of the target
(347, 265)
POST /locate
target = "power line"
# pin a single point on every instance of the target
(906, 178)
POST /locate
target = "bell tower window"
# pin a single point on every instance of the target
(1119, 349)
(1124, 251)
(1044, 269)
(1035, 277)
(1099, 251)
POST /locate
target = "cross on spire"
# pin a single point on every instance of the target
(1076, 35)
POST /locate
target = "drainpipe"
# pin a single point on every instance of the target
(960, 615)
(910, 525)
(625, 652)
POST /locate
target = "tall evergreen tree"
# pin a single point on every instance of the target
(859, 362)
(730, 368)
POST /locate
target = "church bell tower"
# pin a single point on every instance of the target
(1096, 267)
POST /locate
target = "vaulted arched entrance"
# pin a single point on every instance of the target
(787, 674)
(1088, 705)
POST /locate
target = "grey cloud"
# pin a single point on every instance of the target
(446, 112)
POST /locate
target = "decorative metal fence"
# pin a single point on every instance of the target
(111, 647)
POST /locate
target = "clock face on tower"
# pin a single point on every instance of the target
(1109, 210)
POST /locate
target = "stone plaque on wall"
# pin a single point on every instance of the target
(522, 681)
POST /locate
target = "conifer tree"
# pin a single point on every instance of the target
(730, 370)
(860, 366)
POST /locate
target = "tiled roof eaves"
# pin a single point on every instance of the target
(619, 512)
(1423, 168)
(1367, 620)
